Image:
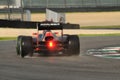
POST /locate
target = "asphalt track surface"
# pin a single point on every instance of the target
(81, 67)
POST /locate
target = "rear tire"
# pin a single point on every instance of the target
(18, 44)
(26, 46)
(73, 45)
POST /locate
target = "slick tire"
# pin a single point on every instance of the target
(18, 44)
(26, 46)
(73, 47)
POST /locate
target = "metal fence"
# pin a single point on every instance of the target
(15, 14)
(70, 3)
(60, 3)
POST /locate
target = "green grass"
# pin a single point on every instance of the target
(8, 38)
(87, 35)
(101, 27)
(115, 34)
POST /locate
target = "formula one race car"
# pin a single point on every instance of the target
(48, 42)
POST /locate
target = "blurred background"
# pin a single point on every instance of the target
(64, 4)
(22, 9)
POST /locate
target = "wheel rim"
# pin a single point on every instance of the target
(21, 52)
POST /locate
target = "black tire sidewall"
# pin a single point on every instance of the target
(73, 47)
(18, 44)
(26, 46)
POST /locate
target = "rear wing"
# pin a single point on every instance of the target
(49, 26)
(39, 25)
